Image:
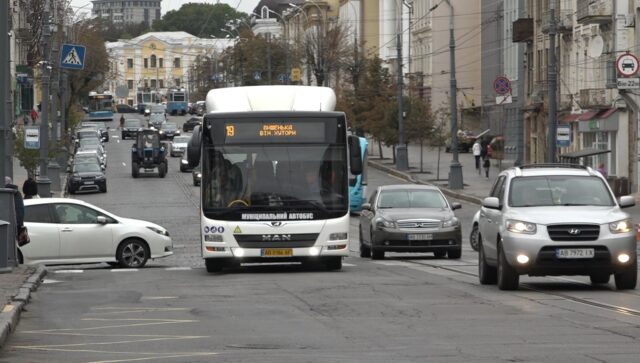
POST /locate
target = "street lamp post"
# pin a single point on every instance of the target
(320, 37)
(455, 170)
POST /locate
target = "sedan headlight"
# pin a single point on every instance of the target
(184, 162)
(516, 226)
(622, 226)
(453, 222)
(159, 231)
(383, 223)
(199, 175)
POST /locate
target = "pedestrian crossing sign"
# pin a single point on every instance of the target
(72, 56)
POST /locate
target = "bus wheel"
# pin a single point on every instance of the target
(213, 264)
(334, 263)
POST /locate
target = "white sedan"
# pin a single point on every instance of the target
(179, 145)
(71, 231)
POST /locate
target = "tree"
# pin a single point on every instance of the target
(34, 10)
(200, 20)
(111, 32)
(326, 49)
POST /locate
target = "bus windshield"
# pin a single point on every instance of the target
(100, 103)
(261, 182)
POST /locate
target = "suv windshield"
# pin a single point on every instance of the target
(132, 123)
(565, 190)
(170, 127)
(86, 167)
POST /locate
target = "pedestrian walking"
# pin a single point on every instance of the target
(487, 165)
(34, 116)
(477, 151)
(602, 170)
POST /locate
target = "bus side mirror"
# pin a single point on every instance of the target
(194, 146)
(355, 155)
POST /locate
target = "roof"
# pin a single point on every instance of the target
(409, 186)
(271, 98)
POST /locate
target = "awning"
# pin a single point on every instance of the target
(599, 114)
(574, 156)
(571, 118)
(586, 116)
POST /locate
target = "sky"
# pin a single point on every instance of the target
(247, 6)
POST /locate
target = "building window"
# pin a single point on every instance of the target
(146, 83)
(130, 63)
(176, 63)
(177, 82)
(153, 61)
(161, 83)
(161, 62)
(146, 62)
(153, 83)
(130, 84)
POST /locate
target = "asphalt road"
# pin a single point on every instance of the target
(406, 308)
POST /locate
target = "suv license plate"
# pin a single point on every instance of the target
(575, 253)
(420, 237)
(277, 252)
(88, 182)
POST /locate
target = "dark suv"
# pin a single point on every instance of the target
(131, 127)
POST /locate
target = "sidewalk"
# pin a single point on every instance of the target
(475, 186)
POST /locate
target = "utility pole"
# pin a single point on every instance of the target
(44, 183)
(552, 79)
(402, 157)
(6, 168)
(269, 57)
(455, 169)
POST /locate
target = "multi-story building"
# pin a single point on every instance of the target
(21, 72)
(158, 61)
(130, 11)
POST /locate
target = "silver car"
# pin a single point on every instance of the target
(179, 145)
(409, 218)
(555, 219)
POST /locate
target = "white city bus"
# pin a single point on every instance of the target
(275, 164)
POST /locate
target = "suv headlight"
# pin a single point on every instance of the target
(383, 223)
(159, 231)
(622, 226)
(453, 222)
(516, 226)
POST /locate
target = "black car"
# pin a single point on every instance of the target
(191, 124)
(130, 127)
(87, 177)
(184, 164)
(168, 130)
(124, 108)
(142, 107)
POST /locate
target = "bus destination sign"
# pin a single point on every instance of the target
(274, 131)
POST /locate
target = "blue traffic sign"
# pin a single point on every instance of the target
(72, 56)
(502, 85)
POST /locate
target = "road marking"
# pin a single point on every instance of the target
(140, 309)
(50, 281)
(159, 357)
(7, 308)
(348, 265)
(69, 271)
(157, 297)
(124, 270)
(124, 164)
(177, 268)
(179, 246)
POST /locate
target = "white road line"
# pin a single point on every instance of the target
(50, 281)
(178, 268)
(124, 270)
(124, 164)
(69, 271)
(348, 264)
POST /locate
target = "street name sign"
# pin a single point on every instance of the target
(72, 56)
(563, 136)
(32, 137)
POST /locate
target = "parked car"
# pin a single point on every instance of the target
(87, 133)
(99, 150)
(70, 231)
(124, 108)
(179, 145)
(89, 156)
(101, 126)
(169, 130)
(191, 123)
(196, 174)
(131, 127)
(409, 218)
(87, 177)
(555, 220)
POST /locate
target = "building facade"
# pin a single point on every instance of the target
(158, 61)
(128, 12)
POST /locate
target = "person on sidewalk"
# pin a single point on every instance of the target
(30, 189)
(34, 116)
(602, 170)
(477, 150)
(486, 164)
(18, 202)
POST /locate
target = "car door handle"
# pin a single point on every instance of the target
(67, 229)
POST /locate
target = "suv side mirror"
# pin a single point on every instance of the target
(455, 205)
(626, 201)
(491, 203)
(101, 220)
(366, 206)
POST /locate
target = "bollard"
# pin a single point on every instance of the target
(4, 247)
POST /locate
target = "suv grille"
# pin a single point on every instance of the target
(574, 232)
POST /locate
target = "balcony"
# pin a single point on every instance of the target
(594, 11)
(595, 98)
(522, 30)
(564, 21)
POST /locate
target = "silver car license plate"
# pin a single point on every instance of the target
(575, 253)
(420, 237)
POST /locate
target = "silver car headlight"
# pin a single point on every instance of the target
(383, 223)
(159, 231)
(453, 222)
(199, 175)
(184, 162)
(622, 226)
(516, 226)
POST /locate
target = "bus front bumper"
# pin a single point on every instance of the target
(275, 254)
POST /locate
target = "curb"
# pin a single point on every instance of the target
(408, 177)
(10, 314)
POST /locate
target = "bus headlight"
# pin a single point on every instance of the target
(338, 236)
(238, 252)
(314, 251)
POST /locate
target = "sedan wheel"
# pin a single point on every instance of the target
(132, 254)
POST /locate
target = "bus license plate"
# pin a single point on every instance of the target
(575, 253)
(420, 237)
(277, 252)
